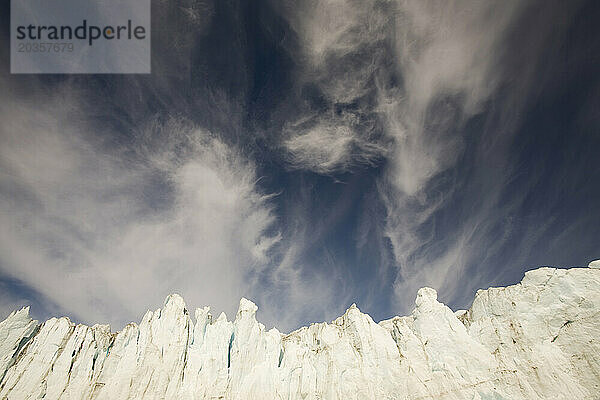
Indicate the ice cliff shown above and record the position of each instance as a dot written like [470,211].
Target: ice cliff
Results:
[539,339]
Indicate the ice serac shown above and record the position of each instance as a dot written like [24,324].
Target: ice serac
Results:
[535,340]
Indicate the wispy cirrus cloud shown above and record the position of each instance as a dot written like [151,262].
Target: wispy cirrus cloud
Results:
[457,61]
[413,73]
[448,55]
[331,152]
[426,75]
[78,227]
[328,145]
[341,50]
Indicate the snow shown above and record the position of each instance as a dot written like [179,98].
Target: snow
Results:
[534,340]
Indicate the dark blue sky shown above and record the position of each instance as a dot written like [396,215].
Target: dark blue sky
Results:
[306,155]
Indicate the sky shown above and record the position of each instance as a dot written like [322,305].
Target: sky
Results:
[306,155]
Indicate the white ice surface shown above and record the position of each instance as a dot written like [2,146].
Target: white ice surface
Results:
[538,339]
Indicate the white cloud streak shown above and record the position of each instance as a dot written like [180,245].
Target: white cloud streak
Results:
[452,56]
[444,50]
[329,145]
[447,53]
[449,57]
[106,232]
[77,228]
[341,49]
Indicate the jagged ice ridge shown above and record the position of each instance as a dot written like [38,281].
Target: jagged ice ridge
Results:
[535,340]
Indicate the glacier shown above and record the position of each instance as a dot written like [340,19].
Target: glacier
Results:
[538,339]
